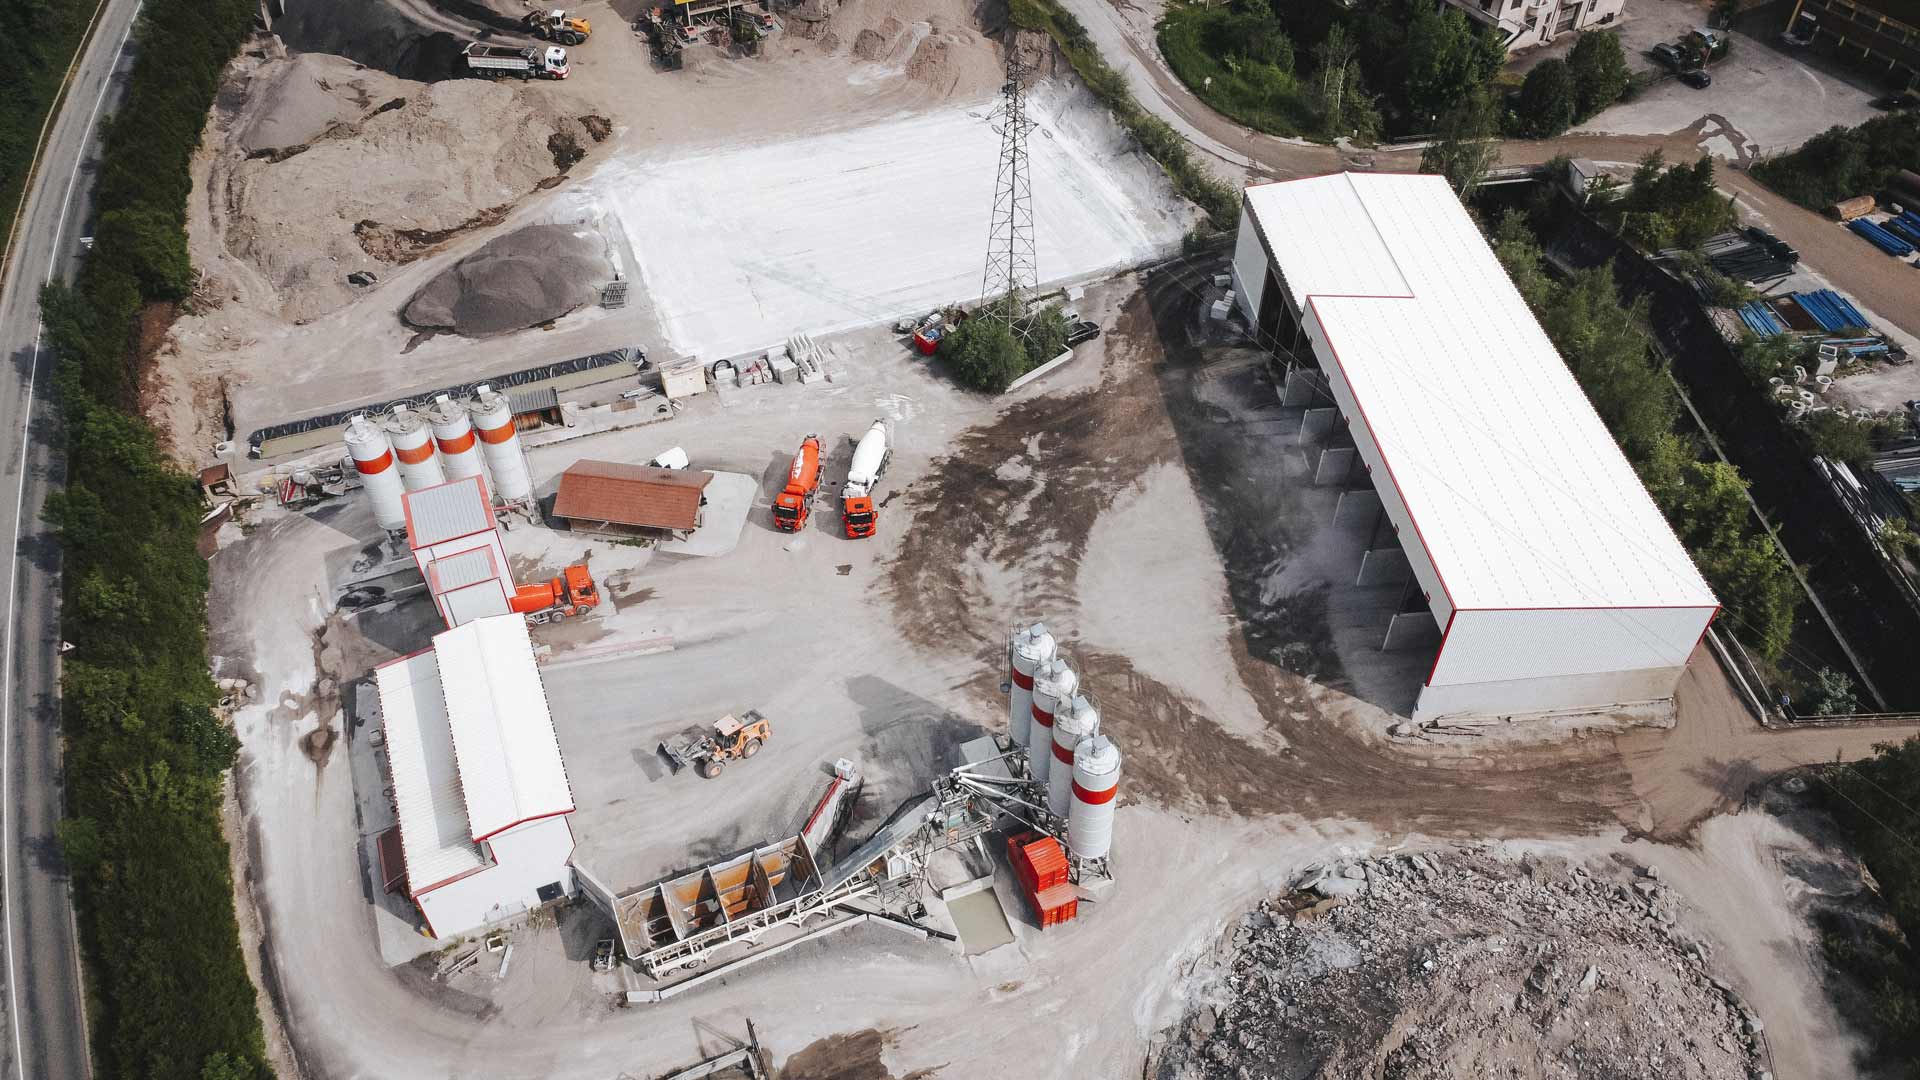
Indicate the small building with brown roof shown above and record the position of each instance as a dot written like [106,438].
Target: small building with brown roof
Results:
[605,496]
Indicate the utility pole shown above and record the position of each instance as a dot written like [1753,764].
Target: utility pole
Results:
[1012,272]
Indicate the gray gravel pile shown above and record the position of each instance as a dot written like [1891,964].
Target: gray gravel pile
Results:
[1426,967]
[528,277]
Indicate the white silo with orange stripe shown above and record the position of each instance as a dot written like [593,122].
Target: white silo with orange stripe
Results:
[500,445]
[1053,686]
[1073,723]
[1096,780]
[372,455]
[413,445]
[453,436]
[1029,648]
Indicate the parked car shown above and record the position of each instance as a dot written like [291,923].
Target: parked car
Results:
[1669,54]
[1082,331]
[1697,78]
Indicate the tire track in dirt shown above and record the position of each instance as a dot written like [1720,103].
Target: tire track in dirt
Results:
[977,519]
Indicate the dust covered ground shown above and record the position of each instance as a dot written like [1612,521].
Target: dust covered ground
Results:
[1467,963]
[1141,501]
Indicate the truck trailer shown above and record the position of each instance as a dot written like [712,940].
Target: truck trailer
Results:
[515,61]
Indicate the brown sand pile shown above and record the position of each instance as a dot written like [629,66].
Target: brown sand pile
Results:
[388,186]
[308,95]
[921,39]
[528,277]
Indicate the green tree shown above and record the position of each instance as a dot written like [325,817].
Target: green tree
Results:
[1547,101]
[1831,694]
[1599,70]
[984,354]
[1464,148]
[1043,334]
[1604,342]
[1838,437]
[1448,58]
[1333,58]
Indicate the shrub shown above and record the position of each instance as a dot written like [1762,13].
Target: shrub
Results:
[1599,70]
[1546,103]
[984,354]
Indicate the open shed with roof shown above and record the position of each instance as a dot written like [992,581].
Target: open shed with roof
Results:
[610,497]
[1553,579]
[480,792]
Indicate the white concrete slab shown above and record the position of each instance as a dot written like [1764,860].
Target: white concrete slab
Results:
[730,497]
[749,244]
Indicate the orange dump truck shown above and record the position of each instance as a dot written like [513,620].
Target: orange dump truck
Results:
[791,506]
[567,595]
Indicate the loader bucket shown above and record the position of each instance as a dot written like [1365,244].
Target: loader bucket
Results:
[674,762]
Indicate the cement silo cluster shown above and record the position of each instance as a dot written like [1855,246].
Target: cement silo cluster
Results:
[1066,755]
[452,439]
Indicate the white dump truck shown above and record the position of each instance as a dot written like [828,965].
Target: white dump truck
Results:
[515,61]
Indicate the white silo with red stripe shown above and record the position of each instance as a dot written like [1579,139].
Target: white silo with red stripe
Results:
[453,436]
[413,445]
[1053,686]
[1096,780]
[1030,647]
[372,455]
[500,444]
[1073,723]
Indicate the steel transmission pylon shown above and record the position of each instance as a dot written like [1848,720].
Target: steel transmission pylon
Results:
[1012,271]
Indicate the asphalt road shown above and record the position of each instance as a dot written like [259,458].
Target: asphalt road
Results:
[46,1029]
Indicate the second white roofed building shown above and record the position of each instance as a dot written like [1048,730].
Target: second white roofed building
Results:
[1554,580]
[479,787]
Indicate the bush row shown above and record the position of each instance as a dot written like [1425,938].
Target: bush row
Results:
[1218,200]
[1840,163]
[42,36]
[146,746]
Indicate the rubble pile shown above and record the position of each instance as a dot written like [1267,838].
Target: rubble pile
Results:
[1422,967]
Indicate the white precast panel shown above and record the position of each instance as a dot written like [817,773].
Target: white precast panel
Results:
[1053,686]
[1030,648]
[500,445]
[453,436]
[413,445]
[1076,721]
[1096,780]
[372,454]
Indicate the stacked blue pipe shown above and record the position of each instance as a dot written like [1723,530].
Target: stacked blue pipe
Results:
[1880,238]
[1831,310]
[1906,227]
[1760,318]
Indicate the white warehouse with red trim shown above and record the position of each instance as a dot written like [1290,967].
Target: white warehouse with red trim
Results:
[1554,580]
[479,788]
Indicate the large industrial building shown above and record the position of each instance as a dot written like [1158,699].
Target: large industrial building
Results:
[479,788]
[1553,579]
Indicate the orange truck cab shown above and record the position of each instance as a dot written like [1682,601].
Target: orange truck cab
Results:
[565,596]
[795,501]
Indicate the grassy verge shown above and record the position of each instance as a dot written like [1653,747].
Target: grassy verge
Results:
[43,39]
[1261,95]
[146,746]
[1217,199]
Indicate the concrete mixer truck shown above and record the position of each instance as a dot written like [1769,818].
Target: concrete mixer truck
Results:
[795,502]
[870,459]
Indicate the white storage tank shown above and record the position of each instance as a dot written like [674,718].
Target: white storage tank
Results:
[453,436]
[500,445]
[1030,648]
[372,455]
[413,445]
[1096,779]
[1053,686]
[1076,722]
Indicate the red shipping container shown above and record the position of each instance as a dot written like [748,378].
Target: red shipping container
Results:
[1056,905]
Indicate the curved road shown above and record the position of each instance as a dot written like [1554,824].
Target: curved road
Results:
[46,1029]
